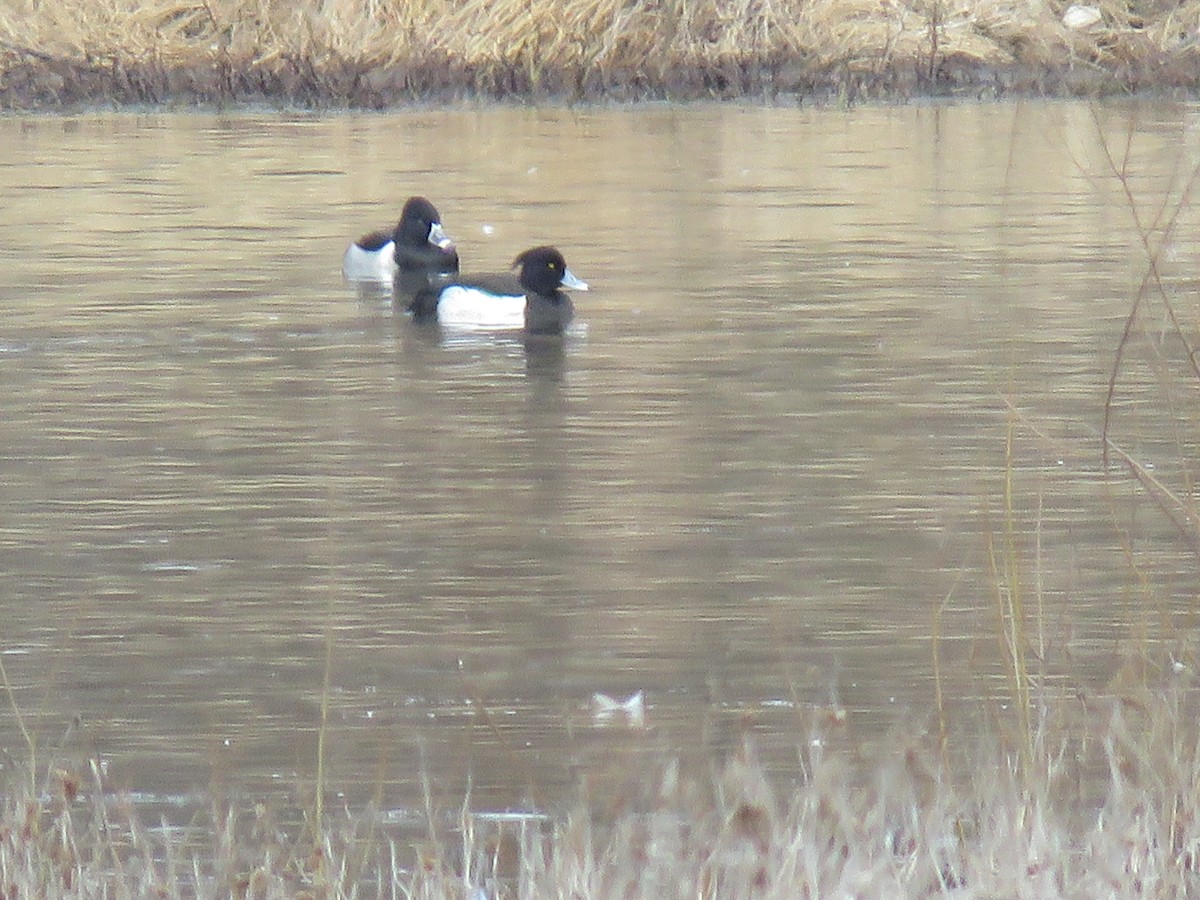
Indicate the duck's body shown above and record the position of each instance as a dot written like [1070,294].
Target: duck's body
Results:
[371,258]
[533,300]
[417,244]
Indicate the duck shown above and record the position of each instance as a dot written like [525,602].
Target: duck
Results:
[534,300]
[418,244]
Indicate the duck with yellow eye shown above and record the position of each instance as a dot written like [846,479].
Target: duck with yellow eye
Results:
[534,300]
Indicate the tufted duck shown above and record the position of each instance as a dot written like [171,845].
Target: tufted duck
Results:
[418,244]
[532,300]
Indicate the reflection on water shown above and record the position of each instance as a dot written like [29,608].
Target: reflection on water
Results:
[759,478]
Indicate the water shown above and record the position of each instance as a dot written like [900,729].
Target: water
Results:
[756,484]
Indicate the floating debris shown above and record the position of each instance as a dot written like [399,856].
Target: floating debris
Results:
[632,708]
[1079,17]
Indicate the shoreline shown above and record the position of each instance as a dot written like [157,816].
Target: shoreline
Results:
[348,54]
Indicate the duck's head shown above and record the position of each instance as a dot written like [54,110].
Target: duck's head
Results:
[420,224]
[544,271]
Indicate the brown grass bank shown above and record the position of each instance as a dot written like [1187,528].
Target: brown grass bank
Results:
[379,53]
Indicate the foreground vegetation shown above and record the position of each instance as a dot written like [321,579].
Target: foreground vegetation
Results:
[376,54]
[1106,804]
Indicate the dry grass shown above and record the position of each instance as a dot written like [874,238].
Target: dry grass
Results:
[1109,808]
[383,52]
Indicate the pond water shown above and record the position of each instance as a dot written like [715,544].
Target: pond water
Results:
[759,481]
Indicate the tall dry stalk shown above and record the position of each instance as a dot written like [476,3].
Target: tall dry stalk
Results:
[935,10]
[26,735]
[1153,235]
[1005,566]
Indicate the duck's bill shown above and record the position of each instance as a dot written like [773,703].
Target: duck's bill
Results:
[439,238]
[570,282]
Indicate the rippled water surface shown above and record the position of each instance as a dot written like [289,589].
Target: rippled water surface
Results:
[759,481]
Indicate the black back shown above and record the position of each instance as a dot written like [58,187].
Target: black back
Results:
[375,240]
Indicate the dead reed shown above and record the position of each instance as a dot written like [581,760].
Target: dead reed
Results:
[1110,807]
[379,53]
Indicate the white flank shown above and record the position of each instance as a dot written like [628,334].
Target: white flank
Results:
[367,265]
[463,307]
